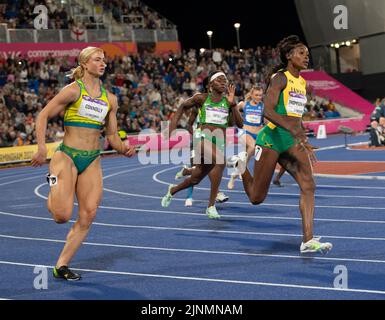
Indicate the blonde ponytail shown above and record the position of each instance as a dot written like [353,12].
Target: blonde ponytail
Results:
[76,73]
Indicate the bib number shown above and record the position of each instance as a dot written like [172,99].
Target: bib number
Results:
[296,104]
[253,118]
[216,116]
[95,110]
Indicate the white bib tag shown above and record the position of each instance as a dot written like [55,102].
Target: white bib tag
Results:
[216,115]
[296,104]
[93,109]
[253,118]
[258,153]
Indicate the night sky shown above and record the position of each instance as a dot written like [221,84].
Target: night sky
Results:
[262,22]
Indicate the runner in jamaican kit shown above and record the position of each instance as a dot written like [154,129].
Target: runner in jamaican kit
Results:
[283,140]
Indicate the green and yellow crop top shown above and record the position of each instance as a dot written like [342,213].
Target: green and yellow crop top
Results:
[292,100]
[215,113]
[86,111]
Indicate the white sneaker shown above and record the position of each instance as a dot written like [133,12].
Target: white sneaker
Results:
[188,202]
[212,213]
[314,245]
[166,200]
[179,174]
[221,197]
[238,161]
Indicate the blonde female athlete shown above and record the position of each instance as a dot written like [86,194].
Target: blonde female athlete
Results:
[252,109]
[75,167]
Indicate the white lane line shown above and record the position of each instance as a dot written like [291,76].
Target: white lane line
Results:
[245,203]
[268,234]
[214,252]
[327,186]
[11,176]
[41,174]
[235,216]
[156,179]
[21,180]
[351,177]
[36,191]
[127,171]
[185,278]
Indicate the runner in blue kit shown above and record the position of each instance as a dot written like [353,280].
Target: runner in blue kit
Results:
[252,109]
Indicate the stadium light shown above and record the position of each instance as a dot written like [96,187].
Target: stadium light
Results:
[210,34]
[237,26]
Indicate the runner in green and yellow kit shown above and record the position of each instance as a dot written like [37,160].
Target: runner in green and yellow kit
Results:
[283,140]
[215,112]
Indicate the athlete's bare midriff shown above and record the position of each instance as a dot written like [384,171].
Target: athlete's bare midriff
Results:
[82,138]
[252,129]
[212,128]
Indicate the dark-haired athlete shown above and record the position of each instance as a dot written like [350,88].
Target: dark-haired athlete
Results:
[215,110]
[283,139]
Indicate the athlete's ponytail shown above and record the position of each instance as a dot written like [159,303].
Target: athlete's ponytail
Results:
[77,73]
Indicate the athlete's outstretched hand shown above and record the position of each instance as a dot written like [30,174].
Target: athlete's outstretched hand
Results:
[231,93]
[40,157]
[130,151]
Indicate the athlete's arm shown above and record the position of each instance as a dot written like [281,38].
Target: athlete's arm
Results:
[236,115]
[278,83]
[112,129]
[195,101]
[67,95]
[191,120]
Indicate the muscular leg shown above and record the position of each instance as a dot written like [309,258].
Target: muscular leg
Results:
[201,169]
[250,147]
[89,193]
[61,196]
[298,164]
[215,176]
[257,187]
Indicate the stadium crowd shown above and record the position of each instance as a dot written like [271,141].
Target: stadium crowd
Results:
[149,87]
[18,14]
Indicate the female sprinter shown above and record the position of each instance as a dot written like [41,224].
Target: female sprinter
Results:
[75,167]
[283,139]
[215,110]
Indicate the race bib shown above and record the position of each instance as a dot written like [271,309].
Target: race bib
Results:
[253,118]
[217,116]
[93,109]
[296,104]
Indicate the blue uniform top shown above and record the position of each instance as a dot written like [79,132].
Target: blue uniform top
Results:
[253,115]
